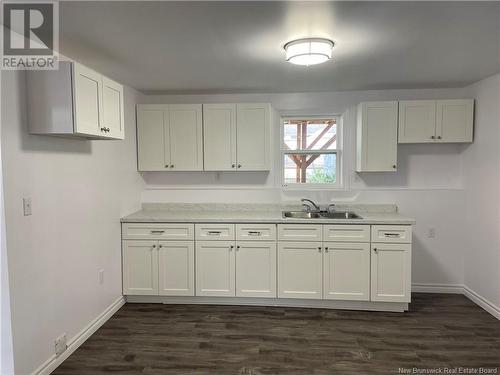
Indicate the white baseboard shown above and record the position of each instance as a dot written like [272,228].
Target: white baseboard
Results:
[51,364]
[459,289]
[438,288]
[483,302]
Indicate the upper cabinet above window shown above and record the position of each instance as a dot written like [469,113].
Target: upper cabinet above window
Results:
[74,101]
[436,121]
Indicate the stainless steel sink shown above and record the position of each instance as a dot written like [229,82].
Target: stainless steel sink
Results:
[340,215]
[320,215]
[301,215]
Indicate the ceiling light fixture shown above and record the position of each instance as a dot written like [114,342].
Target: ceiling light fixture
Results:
[309,51]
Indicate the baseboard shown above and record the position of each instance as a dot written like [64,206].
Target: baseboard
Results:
[52,363]
[438,288]
[459,289]
[483,302]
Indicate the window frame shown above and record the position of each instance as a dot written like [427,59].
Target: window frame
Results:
[338,185]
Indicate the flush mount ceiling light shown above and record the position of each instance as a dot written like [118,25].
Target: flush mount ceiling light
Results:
[310,51]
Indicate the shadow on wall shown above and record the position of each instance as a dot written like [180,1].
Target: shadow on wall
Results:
[30,142]
[194,179]
[419,158]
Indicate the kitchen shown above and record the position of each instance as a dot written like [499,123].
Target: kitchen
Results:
[194,197]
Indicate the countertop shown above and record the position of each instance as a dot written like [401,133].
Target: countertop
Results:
[213,213]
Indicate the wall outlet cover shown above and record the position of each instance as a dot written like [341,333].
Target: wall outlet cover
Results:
[60,344]
[27,206]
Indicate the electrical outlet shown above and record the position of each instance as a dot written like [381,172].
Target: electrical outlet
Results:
[60,344]
[101,277]
[27,206]
[431,232]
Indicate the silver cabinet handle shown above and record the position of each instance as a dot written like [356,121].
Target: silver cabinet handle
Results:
[231,247]
[439,137]
[254,233]
[326,249]
[157,231]
[433,137]
[239,165]
[375,250]
[160,246]
[319,249]
[214,232]
[391,234]
[171,165]
[154,246]
[103,129]
[237,247]
[233,165]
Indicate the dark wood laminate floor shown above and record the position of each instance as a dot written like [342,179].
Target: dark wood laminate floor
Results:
[438,331]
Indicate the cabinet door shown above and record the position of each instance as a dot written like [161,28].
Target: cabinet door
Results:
[253,143]
[256,269]
[377,137]
[219,137]
[417,121]
[112,108]
[186,138]
[153,153]
[454,120]
[140,267]
[300,273]
[176,268]
[391,272]
[87,97]
[346,271]
[215,267]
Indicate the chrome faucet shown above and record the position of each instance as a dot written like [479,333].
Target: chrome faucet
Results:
[309,205]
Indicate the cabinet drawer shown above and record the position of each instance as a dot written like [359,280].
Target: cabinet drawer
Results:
[209,232]
[159,231]
[299,232]
[346,233]
[391,233]
[262,232]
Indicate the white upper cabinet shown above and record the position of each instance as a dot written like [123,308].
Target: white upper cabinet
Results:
[454,120]
[186,142]
[436,121]
[253,137]
[417,121]
[169,137]
[88,108]
[377,137]
[75,101]
[237,137]
[112,108]
[219,137]
[152,128]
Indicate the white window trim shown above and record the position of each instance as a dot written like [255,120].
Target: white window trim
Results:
[339,184]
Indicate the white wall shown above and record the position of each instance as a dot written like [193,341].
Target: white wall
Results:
[427,186]
[482,194]
[79,191]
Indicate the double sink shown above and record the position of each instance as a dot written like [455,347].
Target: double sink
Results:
[320,215]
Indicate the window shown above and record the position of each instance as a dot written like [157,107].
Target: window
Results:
[310,151]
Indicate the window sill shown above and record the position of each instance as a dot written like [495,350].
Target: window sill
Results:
[307,187]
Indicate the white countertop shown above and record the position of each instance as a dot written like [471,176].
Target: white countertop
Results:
[207,213]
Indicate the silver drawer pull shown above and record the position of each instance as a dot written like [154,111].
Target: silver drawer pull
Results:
[157,231]
[392,234]
[214,232]
[254,233]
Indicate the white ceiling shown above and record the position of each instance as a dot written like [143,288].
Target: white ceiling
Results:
[213,47]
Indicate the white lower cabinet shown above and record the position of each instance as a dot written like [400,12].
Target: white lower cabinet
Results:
[140,267]
[163,268]
[256,269]
[300,270]
[346,271]
[391,272]
[176,268]
[215,268]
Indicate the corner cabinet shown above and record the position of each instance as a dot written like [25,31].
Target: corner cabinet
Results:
[169,137]
[377,137]
[89,105]
[436,121]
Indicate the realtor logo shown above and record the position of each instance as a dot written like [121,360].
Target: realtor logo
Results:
[30,39]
